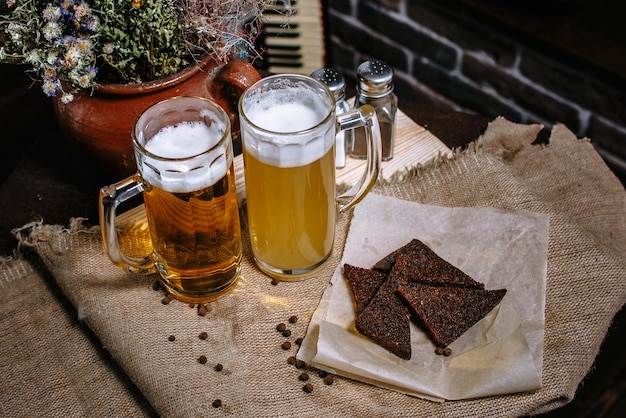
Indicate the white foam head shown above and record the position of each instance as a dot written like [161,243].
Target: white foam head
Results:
[185,165]
[287,116]
[286,111]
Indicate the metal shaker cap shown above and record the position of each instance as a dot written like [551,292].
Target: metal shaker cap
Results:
[375,78]
[333,80]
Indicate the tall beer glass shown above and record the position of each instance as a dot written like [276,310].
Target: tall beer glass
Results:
[288,128]
[185,171]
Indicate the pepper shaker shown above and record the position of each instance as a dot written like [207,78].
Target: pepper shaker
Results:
[337,85]
[375,87]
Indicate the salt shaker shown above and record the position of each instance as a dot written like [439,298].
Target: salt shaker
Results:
[375,87]
[337,85]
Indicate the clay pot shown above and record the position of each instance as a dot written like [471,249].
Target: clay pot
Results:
[98,124]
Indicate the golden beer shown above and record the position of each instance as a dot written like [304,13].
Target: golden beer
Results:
[184,157]
[197,237]
[291,212]
[288,132]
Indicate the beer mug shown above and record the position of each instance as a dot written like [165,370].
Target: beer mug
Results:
[184,157]
[288,127]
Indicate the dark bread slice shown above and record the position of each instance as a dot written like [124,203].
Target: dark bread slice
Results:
[385,319]
[430,269]
[423,265]
[448,312]
[385,264]
[364,284]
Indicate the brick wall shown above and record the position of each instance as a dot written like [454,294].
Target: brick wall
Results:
[445,57]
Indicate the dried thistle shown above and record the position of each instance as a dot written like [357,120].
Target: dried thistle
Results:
[224,27]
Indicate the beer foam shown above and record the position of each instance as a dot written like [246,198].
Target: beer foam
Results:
[184,140]
[290,110]
[286,117]
[285,112]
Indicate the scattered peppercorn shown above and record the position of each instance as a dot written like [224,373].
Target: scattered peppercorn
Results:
[275,282]
[308,388]
[281,327]
[171,338]
[439,351]
[156,285]
[192,305]
[167,299]
[217,403]
[202,359]
[447,351]
[329,379]
[304,376]
[293,319]
[202,310]
[291,360]
[300,364]
[286,345]
[287,333]
[322,374]
[218,367]
[298,340]
[203,335]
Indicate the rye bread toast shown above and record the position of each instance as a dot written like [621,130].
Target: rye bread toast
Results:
[448,312]
[385,319]
[364,284]
[415,279]
[422,265]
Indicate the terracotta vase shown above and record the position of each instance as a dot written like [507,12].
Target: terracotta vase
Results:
[98,124]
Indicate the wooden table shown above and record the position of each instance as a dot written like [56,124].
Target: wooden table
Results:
[44,180]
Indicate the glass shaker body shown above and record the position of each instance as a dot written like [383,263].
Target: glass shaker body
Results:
[375,87]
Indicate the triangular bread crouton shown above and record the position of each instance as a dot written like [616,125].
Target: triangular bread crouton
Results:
[423,265]
[385,319]
[364,284]
[448,312]
[414,279]
[385,264]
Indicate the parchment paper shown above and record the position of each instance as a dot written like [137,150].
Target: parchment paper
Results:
[500,354]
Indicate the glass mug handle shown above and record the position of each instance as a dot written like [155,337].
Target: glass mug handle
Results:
[110,198]
[364,116]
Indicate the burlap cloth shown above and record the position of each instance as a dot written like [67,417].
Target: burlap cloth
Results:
[52,366]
